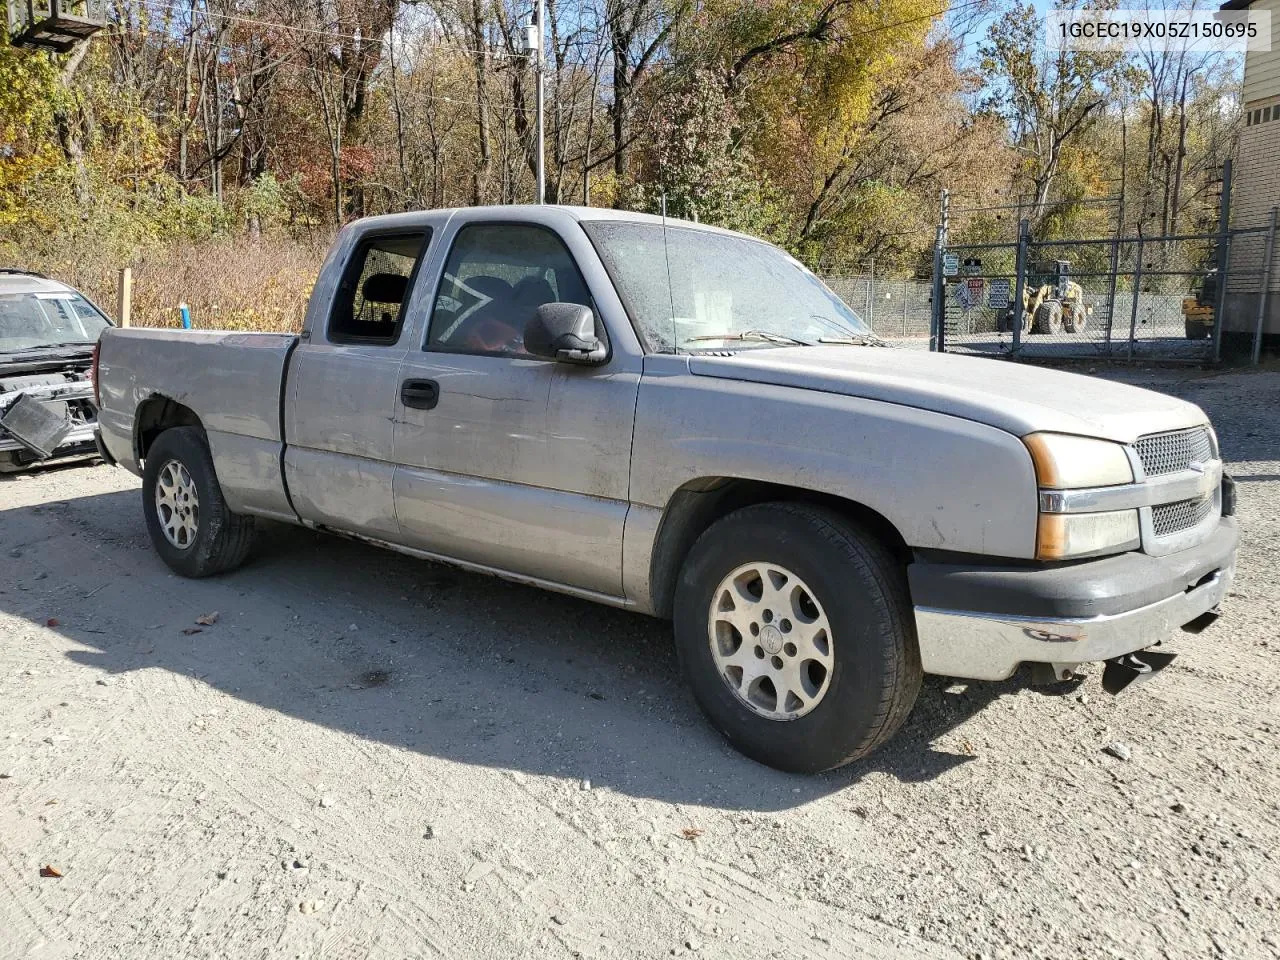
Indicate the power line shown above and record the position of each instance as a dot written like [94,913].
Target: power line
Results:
[294,64]
[449,45]
[492,51]
[316,31]
[955,8]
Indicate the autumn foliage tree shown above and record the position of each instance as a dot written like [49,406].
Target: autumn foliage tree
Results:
[828,126]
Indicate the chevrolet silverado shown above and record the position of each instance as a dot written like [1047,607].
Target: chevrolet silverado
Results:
[686,422]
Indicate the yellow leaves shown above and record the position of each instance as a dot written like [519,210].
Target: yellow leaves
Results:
[27,89]
[122,151]
[808,72]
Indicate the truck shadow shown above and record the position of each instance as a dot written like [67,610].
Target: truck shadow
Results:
[423,657]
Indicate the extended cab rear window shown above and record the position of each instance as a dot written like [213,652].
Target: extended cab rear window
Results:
[369,304]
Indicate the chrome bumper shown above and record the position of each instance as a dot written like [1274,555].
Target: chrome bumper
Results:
[983,646]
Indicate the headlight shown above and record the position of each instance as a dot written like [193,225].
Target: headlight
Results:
[1064,535]
[1066,462]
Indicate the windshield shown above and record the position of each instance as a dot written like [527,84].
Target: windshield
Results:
[32,320]
[703,290]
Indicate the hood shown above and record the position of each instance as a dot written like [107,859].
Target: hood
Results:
[13,366]
[18,362]
[1014,397]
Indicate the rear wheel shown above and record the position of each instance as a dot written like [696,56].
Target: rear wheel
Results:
[190,525]
[1075,318]
[795,632]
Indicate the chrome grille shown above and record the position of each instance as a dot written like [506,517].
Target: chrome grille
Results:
[1170,518]
[1163,453]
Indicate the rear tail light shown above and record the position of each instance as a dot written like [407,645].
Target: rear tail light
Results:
[93,373]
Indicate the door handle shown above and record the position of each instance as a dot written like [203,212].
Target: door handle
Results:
[420,394]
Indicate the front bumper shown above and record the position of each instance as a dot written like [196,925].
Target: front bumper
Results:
[81,435]
[981,622]
[73,402]
[80,442]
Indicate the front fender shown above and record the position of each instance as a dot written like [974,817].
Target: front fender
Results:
[944,482]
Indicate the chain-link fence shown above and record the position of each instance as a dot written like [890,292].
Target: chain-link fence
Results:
[1125,298]
[897,310]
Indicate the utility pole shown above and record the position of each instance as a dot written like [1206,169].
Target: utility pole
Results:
[539,68]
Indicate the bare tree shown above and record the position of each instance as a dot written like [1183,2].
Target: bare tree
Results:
[637,29]
[1050,98]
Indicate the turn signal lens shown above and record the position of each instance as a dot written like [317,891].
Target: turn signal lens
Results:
[1065,462]
[1063,536]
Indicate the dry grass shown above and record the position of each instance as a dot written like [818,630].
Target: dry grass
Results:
[229,284]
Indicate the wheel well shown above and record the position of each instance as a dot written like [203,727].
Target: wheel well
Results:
[157,414]
[700,503]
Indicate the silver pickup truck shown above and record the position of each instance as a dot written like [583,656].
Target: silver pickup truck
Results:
[686,422]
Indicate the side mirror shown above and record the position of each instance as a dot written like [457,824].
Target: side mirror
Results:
[565,332]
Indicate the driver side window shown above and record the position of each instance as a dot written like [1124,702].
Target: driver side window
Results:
[497,275]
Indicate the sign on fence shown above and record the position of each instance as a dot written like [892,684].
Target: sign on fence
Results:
[976,285]
[998,293]
[950,264]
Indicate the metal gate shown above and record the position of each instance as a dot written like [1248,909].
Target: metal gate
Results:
[1122,298]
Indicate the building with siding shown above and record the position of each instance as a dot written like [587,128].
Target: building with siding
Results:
[1255,186]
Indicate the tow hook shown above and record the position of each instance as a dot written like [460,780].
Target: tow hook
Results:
[1121,673]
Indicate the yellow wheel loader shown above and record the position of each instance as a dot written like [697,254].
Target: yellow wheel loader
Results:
[1051,301]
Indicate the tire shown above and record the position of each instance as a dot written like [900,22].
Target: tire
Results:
[873,674]
[1048,318]
[210,538]
[1196,330]
[1076,318]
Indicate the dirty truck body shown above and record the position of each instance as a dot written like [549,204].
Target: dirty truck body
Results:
[684,422]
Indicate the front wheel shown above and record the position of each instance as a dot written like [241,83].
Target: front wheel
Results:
[795,631]
[191,526]
[1048,317]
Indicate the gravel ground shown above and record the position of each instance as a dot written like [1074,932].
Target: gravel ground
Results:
[370,756]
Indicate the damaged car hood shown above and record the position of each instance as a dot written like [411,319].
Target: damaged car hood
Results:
[1014,397]
[16,363]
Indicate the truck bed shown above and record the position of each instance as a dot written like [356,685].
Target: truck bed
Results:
[231,381]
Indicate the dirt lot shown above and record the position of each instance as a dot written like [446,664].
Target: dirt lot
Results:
[370,756]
